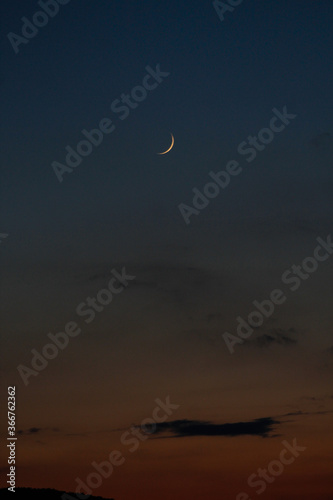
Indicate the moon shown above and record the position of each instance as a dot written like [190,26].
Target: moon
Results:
[172,144]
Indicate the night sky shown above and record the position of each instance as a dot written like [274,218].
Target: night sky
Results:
[120,211]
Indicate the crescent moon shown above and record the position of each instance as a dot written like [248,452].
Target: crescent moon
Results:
[172,144]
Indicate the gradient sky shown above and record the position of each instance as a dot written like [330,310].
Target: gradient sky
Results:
[162,336]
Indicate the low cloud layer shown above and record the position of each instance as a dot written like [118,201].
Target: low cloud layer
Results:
[262,427]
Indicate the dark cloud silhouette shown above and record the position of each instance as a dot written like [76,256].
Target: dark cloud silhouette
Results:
[277,336]
[262,427]
[32,430]
[321,140]
[35,430]
[42,493]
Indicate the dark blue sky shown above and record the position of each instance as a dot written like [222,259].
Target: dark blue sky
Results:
[225,79]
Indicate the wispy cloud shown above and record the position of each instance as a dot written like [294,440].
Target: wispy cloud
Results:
[35,430]
[321,140]
[277,336]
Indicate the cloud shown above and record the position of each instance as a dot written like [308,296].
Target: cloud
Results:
[262,427]
[35,430]
[213,317]
[277,336]
[321,140]
[161,276]
[180,287]
[32,430]
[301,412]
